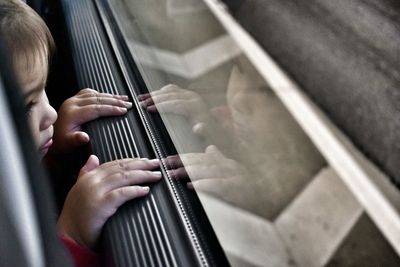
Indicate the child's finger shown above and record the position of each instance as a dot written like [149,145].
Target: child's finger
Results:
[103,95]
[111,101]
[79,138]
[92,163]
[121,195]
[93,93]
[122,165]
[75,139]
[130,178]
[94,111]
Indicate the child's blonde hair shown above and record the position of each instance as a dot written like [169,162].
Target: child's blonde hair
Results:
[26,35]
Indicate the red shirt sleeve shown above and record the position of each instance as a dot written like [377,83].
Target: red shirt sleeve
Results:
[82,256]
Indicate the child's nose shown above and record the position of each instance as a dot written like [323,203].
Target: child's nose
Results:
[49,118]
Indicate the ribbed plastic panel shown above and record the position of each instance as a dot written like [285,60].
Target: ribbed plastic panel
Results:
[168,227]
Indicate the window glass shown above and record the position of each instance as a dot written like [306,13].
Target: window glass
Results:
[255,170]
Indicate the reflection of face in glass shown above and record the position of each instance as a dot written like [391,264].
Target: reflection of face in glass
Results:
[269,143]
[261,123]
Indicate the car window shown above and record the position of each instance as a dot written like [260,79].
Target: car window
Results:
[271,189]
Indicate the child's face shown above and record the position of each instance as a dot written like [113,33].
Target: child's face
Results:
[41,116]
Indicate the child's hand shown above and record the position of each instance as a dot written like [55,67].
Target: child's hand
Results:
[99,191]
[85,106]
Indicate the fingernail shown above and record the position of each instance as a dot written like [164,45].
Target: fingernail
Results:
[154,161]
[171,174]
[128,104]
[123,110]
[152,108]
[84,138]
[146,189]
[157,173]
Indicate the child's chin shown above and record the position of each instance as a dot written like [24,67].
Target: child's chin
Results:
[43,152]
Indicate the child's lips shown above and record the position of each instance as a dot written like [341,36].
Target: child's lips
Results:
[46,146]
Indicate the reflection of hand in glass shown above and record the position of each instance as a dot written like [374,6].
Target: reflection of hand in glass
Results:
[204,122]
[173,99]
[206,170]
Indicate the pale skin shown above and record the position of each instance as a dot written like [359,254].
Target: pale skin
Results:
[99,189]
[86,105]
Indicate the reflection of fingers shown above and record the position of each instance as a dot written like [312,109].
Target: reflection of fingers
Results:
[152,109]
[190,159]
[173,162]
[119,196]
[127,178]
[179,173]
[201,172]
[175,106]
[147,102]
[103,101]
[158,98]
[170,88]
[144,96]
[197,159]
[205,185]
[200,128]
[215,185]
[189,185]
[208,185]
[213,149]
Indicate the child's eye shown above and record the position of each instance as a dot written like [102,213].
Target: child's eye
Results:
[29,106]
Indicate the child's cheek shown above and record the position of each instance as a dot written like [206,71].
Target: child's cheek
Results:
[34,127]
